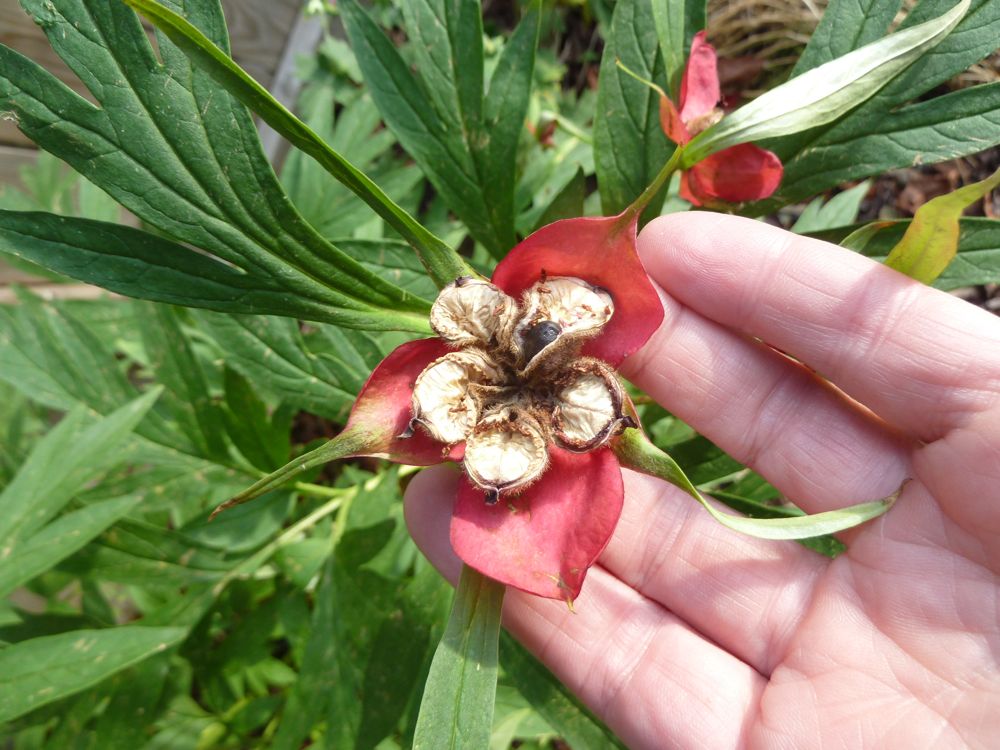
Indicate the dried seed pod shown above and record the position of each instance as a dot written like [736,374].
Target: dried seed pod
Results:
[444,401]
[573,304]
[568,306]
[506,452]
[588,408]
[471,311]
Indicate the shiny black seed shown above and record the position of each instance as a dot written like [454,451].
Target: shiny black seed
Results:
[492,496]
[538,337]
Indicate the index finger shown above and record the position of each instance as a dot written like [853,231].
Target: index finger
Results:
[919,358]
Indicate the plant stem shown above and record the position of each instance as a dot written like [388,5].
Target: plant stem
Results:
[640,203]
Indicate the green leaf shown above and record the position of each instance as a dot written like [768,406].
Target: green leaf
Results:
[263,440]
[895,129]
[457,707]
[321,374]
[466,144]
[636,452]
[553,700]
[41,670]
[392,260]
[931,240]
[977,261]
[677,21]
[629,144]
[34,555]
[844,26]
[505,109]
[840,210]
[177,151]
[823,94]
[875,141]
[68,457]
[140,264]
[325,202]
[754,508]
[567,203]
[441,261]
[187,396]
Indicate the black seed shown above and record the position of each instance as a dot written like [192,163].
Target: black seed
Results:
[539,336]
[492,495]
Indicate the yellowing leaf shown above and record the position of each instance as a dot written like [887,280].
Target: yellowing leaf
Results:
[931,240]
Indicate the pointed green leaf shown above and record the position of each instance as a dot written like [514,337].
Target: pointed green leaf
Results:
[502,125]
[931,240]
[629,144]
[977,261]
[636,452]
[175,366]
[59,466]
[175,149]
[61,538]
[677,21]
[321,374]
[844,26]
[441,261]
[457,707]
[841,210]
[823,94]
[140,264]
[41,670]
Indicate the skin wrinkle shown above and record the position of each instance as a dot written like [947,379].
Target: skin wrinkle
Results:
[690,272]
[674,519]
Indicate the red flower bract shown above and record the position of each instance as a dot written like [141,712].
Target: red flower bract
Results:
[543,539]
[741,173]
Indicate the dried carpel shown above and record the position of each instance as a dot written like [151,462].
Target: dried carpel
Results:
[518,383]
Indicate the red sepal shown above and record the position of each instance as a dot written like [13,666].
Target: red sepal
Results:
[384,407]
[544,540]
[700,85]
[670,121]
[744,172]
[602,252]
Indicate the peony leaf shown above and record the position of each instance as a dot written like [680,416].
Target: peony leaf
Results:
[443,263]
[931,240]
[823,94]
[457,707]
[635,451]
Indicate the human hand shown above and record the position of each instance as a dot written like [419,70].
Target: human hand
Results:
[688,634]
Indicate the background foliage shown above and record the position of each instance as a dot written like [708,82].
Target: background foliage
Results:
[308,618]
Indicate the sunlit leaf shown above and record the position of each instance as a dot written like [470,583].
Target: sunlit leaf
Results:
[931,240]
[42,670]
[823,94]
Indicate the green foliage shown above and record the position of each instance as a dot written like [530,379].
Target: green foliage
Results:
[463,134]
[308,617]
[629,144]
[177,151]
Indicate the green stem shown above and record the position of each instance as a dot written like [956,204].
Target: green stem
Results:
[288,536]
[350,442]
[665,173]
[635,451]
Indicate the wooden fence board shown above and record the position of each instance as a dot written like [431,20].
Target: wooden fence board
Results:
[258,28]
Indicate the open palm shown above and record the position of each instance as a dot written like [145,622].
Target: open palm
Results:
[690,635]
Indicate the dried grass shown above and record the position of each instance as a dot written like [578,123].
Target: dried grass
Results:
[776,31]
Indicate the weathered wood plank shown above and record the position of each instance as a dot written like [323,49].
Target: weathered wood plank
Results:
[258,29]
[11,161]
